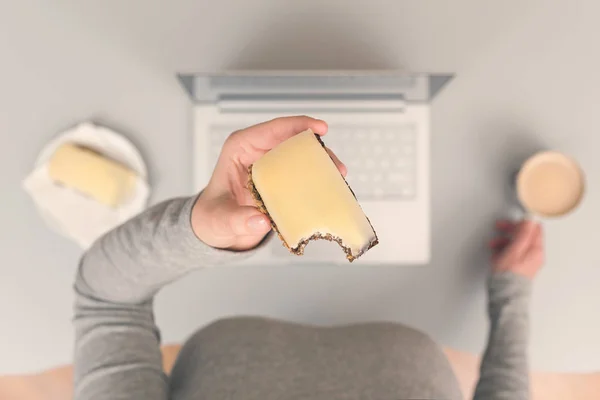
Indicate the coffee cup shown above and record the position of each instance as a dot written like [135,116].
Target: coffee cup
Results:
[550,184]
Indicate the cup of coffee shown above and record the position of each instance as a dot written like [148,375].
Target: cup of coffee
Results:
[550,184]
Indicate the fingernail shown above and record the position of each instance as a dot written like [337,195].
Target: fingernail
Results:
[258,223]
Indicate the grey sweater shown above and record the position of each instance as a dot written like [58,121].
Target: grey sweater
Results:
[117,353]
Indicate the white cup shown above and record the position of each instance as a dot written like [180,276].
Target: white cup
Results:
[550,185]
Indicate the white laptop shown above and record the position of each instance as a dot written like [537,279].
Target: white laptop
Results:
[378,126]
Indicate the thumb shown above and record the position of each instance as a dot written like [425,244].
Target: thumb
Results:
[244,220]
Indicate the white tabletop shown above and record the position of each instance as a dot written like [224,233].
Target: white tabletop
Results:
[526,78]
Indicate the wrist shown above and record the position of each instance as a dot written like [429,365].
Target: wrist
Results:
[508,284]
[525,271]
[198,218]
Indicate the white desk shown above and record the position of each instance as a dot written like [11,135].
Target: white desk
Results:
[527,77]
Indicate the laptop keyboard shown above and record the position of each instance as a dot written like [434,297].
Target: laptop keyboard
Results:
[381,160]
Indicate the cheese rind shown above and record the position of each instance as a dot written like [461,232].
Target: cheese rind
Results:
[307,198]
[91,174]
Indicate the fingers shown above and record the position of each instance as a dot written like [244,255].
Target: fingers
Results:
[498,243]
[340,165]
[525,236]
[521,236]
[518,248]
[505,229]
[268,134]
[506,226]
[538,241]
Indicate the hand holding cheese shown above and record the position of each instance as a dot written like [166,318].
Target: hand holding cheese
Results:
[225,214]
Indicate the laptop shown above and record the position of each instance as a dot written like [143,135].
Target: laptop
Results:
[378,126]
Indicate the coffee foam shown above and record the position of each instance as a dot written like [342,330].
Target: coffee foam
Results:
[550,184]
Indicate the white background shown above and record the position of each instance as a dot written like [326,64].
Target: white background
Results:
[527,78]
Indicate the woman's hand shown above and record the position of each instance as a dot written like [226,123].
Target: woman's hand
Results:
[518,248]
[225,215]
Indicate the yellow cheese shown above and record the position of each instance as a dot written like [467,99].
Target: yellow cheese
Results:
[306,197]
[92,174]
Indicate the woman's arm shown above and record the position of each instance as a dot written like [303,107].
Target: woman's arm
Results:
[117,354]
[518,255]
[504,372]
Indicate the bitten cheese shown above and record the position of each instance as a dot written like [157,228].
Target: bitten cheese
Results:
[298,185]
[92,174]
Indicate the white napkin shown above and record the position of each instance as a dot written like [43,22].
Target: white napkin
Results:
[72,214]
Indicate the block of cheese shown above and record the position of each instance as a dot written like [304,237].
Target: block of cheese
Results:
[299,187]
[92,174]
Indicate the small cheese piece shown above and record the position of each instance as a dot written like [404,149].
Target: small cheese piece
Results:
[298,185]
[91,174]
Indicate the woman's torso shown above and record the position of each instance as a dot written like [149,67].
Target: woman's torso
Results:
[255,358]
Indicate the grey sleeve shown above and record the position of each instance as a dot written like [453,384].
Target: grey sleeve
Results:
[504,373]
[117,353]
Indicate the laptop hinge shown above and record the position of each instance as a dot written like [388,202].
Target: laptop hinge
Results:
[303,103]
